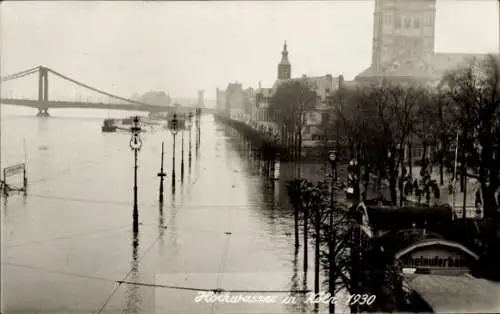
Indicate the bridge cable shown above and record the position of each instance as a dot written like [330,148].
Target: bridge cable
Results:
[21,72]
[19,75]
[95,89]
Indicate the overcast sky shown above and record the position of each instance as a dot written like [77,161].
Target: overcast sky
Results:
[180,47]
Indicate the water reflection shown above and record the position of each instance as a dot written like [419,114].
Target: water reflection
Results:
[3,215]
[134,296]
[295,284]
[172,238]
[42,124]
[173,180]
[161,222]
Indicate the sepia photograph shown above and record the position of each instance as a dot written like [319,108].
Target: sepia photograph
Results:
[250,157]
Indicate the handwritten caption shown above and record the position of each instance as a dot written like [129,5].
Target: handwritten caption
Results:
[310,298]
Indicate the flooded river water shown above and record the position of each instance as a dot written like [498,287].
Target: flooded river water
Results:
[69,244]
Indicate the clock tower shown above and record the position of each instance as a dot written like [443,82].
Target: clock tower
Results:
[284,67]
[403,34]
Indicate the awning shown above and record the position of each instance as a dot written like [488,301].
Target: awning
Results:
[456,294]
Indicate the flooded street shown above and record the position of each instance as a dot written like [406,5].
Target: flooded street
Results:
[69,243]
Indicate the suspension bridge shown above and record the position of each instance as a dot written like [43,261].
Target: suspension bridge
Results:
[43,103]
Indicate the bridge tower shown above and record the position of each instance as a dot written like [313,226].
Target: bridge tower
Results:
[201,102]
[43,92]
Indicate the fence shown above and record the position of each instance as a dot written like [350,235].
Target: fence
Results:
[471,212]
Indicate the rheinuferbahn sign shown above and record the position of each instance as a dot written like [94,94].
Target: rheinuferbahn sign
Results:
[436,256]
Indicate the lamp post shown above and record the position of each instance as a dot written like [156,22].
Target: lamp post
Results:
[189,126]
[182,147]
[198,117]
[173,130]
[161,174]
[197,135]
[332,158]
[135,144]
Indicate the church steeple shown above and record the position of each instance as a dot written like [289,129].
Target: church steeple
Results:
[284,67]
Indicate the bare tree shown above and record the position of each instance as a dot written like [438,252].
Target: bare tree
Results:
[386,117]
[292,101]
[475,91]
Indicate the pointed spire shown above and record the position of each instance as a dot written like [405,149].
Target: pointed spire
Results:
[284,55]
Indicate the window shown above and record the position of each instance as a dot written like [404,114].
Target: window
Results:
[387,18]
[407,22]
[416,23]
[397,22]
[317,137]
[429,20]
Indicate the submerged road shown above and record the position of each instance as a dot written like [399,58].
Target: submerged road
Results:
[70,246]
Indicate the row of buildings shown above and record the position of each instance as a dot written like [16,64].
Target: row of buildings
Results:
[251,105]
[402,49]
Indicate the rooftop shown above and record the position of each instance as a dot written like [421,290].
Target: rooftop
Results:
[456,294]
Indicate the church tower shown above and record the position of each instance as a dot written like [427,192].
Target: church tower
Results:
[284,67]
[403,34]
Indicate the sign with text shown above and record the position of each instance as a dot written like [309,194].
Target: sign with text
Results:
[435,259]
[436,256]
[13,170]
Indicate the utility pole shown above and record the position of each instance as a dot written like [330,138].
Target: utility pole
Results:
[135,145]
[161,174]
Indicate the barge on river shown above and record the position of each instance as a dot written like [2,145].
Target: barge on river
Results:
[108,126]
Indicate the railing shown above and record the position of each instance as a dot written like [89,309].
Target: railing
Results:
[471,212]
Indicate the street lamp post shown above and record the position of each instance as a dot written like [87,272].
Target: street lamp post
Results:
[189,125]
[182,148]
[173,131]
[332,158]
[197,135]
[161,174]
[135,144]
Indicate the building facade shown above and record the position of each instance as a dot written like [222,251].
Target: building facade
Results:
[201,99]
[403,42]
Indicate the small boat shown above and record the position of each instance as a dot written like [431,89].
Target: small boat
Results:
[109,126]
[127,121]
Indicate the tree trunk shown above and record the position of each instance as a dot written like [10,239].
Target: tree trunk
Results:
[393,178]
[317,250]
[299,143]
[463,165]
[355,267]
[424,154]
[296,218]
[441,161]
[306,215]
[358,173]
[410,159]
[487,173]
[401,182]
